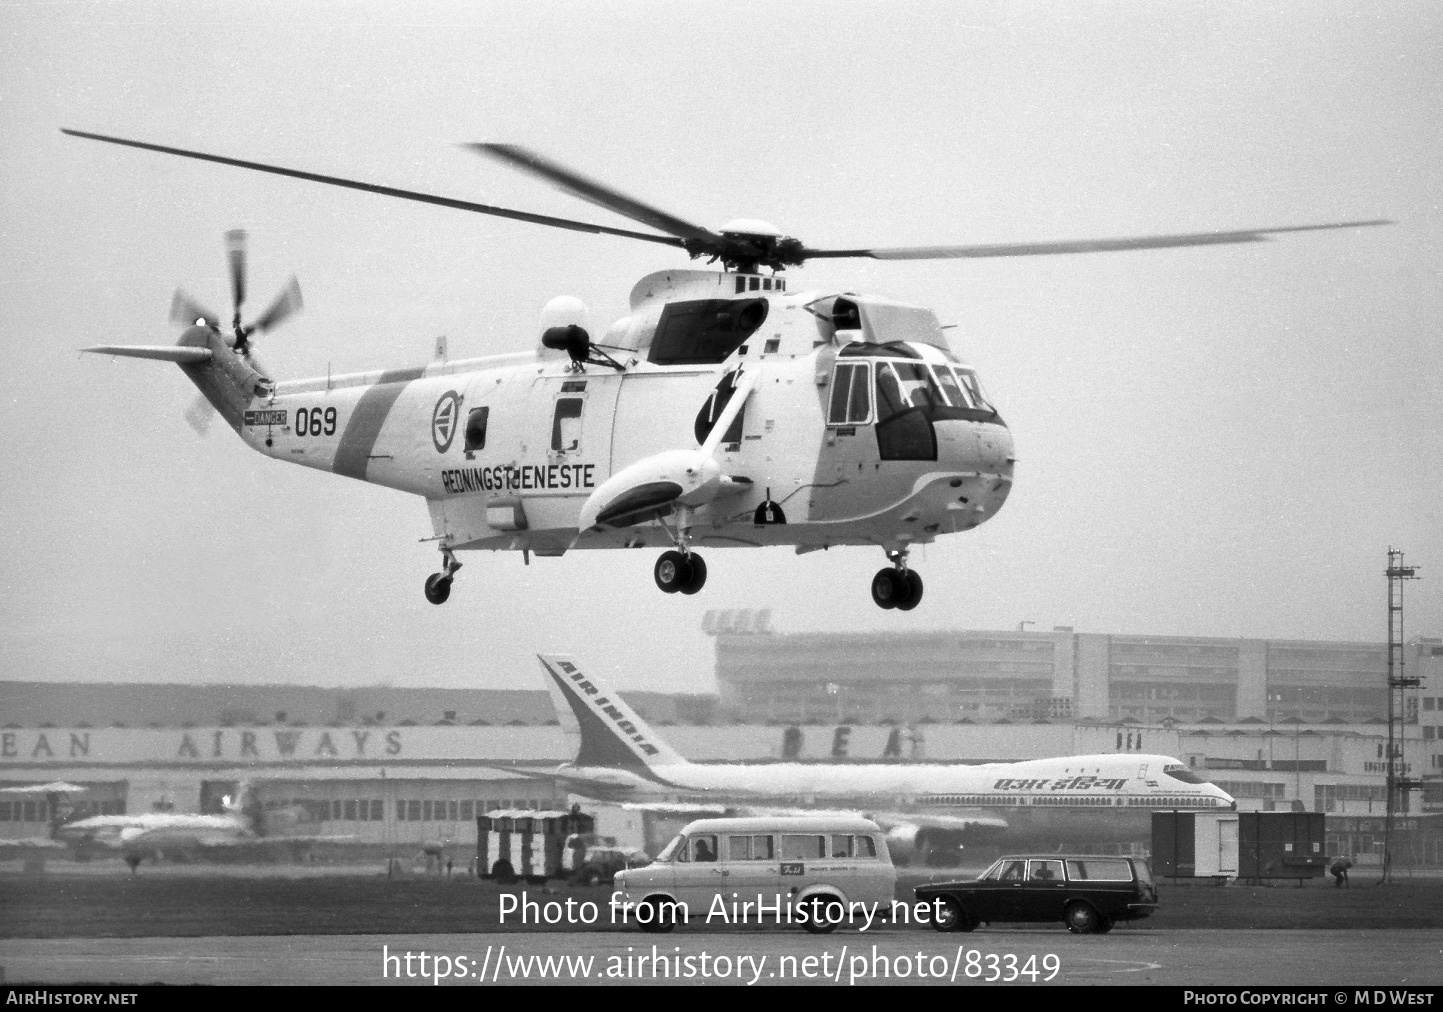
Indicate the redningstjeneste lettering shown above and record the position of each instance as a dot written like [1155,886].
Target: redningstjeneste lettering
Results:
[511,478]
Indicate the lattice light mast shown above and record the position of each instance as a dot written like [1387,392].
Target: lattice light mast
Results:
[1399,783]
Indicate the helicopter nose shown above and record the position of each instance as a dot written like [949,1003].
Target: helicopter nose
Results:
[973,446]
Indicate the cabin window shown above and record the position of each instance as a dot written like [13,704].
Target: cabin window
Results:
[1099,870]
[749,848]
[851,396]
[476,430]
[1044,871]
[566,425]
[716,403]
[705,331]
[796,847]
[703,849]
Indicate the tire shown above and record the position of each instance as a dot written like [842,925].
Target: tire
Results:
[817,923]
[438,588]
[656,925]
[914,592]
[698,574]
[887,589]
[1081,919]
[591,877]
[672,572]
[503,873]
[952,916]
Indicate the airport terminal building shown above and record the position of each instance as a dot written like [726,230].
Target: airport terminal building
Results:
[1277,724]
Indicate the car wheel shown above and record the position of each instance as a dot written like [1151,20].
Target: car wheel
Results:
[952,916]
[592,877]
[503,873]
[656,921]
[817,921]
[1081,919]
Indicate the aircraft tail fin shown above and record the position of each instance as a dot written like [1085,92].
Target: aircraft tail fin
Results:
[603,728]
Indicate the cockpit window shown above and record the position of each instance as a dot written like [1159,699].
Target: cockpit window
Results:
[919,390]
[705,331]
[851,396]
[951,389]
[890,400]
[1184,774]
[974,389]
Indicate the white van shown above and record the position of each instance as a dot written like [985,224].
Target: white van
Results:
[817,872]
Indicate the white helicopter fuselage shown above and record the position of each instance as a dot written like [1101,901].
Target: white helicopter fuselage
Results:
[551,434]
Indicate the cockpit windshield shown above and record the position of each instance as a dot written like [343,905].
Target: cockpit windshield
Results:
[1184,774]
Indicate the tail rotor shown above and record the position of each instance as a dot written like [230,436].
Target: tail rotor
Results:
[187,312]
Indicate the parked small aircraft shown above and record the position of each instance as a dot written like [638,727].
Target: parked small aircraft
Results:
[725,410]
[173,835]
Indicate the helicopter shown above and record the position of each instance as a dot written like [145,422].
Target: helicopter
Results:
[724,410]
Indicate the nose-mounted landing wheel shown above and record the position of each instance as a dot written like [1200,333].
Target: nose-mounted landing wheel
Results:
[677,572]
[438,585]
[897,586]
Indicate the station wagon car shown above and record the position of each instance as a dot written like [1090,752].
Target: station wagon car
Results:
[1088,894]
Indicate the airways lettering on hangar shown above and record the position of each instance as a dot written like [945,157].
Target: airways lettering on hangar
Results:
[220,745]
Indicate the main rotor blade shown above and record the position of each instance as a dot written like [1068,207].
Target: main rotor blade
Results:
[235,247]
[386,191]
[1027,249]
[186,311]
[286,304]
[589,189]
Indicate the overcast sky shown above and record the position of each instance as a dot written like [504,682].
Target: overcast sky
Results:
[1218,442]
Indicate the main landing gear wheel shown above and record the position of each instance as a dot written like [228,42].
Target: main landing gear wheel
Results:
[438,588]
[698,574]
[897,588]
[438,585]
[678,573]
[672,572]
[914,591]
